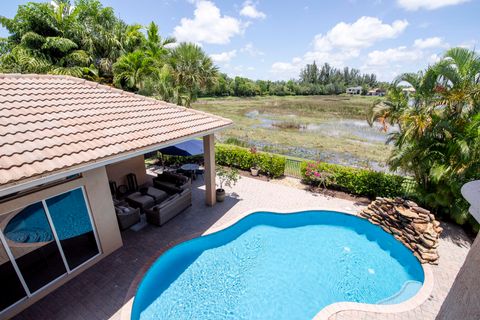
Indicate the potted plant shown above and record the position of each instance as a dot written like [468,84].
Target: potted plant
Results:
[226,177]
[254,169]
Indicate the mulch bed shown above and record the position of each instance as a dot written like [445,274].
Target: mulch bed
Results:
[244,173]
[339,194]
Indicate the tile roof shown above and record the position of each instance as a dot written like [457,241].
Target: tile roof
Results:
[50,124]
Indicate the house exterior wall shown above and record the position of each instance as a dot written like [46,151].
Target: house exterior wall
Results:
[95,183]
[118,171]
[463,299]
[354,90]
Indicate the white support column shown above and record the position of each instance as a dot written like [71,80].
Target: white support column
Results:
[209,155]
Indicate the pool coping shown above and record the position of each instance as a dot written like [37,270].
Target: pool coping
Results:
[325,313]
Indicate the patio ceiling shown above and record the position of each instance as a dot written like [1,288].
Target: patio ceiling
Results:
[59,125]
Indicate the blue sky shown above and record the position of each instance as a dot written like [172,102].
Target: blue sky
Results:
[272,39]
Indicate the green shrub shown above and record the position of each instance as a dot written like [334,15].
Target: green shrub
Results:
[241,158]
[357,181]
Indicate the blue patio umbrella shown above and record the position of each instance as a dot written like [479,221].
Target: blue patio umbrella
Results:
[185,149]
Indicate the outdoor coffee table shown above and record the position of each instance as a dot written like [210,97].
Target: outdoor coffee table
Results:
[190,168]
[138,200]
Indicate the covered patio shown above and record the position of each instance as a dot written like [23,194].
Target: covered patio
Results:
[100,292]
[64,141]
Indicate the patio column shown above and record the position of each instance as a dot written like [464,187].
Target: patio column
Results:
[209,155]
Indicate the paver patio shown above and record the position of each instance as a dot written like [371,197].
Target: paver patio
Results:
[100,292]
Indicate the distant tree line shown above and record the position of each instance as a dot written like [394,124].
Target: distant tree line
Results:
[312,81]
[82,38]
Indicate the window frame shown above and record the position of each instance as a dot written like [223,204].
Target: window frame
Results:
[43,201]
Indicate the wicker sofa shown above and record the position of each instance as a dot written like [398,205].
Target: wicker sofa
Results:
[179,190]
[169,208]
[171,182]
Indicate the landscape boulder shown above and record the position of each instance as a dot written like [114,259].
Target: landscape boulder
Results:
[414,226]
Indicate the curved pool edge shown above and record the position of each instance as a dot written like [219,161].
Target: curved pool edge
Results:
[418,299]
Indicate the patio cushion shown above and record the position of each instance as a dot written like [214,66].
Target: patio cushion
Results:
[168,201]
[157,194]
[137,200]
[171,183]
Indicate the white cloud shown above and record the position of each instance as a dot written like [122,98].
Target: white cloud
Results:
[223,56]
[468,44]
[208,25]
[250,49]
[434,58]
[283,67]
[341,44]
[393,55]
[427,4]
[362,33]
[250,10]
[433,42]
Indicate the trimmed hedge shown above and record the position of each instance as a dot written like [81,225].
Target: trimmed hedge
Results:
[241,158]
[357,181]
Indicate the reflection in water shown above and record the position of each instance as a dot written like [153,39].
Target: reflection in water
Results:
[348,128]
[68,211]
[29,225]
[70,217]
[32,243]
[37,256]
[69,214]
[352,130]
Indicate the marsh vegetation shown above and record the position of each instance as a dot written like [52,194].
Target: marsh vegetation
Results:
[328,128]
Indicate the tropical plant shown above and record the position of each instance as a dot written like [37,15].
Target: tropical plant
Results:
[227,177]
[131,69]
[44,39]
[438,141]
[83,39]
[105,36]
[191,70]
[156,47]
[271,165]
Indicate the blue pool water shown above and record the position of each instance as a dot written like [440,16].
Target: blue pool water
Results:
[69,215]
[278,266]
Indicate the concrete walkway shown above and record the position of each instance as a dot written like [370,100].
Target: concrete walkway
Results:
[101,291]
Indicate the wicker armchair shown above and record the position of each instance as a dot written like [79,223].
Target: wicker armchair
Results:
[126,215]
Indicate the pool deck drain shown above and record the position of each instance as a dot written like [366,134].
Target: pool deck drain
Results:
[101,291]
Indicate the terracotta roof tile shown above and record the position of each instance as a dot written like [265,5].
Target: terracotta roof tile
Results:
[50,124]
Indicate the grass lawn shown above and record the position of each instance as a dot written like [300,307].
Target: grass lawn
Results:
[327,128]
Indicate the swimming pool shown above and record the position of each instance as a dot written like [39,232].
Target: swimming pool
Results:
[279,266]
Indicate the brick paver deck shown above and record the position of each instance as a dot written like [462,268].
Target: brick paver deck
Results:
[101,291]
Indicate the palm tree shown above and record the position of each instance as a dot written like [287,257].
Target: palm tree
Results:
[42,41]
[438,139]
[191,70]
[82,40]
[155,46]
[131,69]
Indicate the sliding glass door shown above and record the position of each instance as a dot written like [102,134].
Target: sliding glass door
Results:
[12,289]
[43,242]
[73,226]
[33,246]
